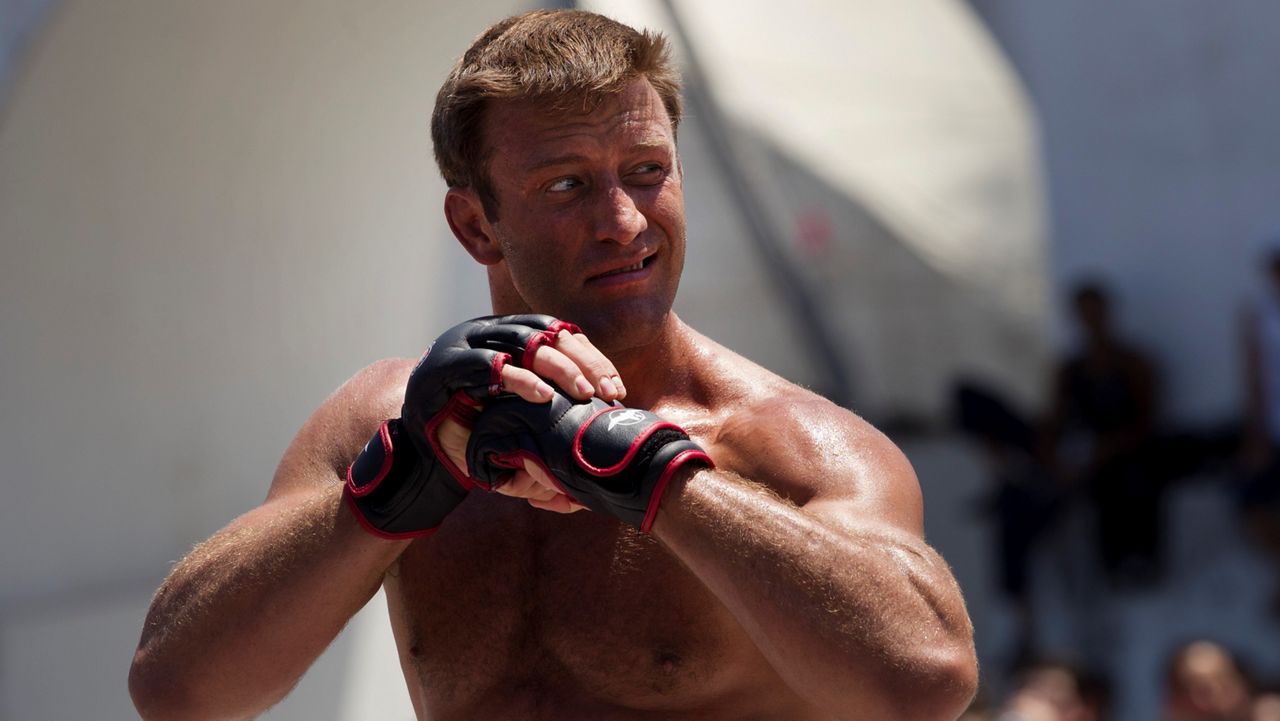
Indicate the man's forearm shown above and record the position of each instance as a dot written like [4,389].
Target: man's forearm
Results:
[865,622]
[246,613]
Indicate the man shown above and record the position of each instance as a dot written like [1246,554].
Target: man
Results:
[751,552]
[1046,690]
[1103,406]
[1204,682]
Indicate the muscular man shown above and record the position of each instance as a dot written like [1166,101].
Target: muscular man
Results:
[772,565]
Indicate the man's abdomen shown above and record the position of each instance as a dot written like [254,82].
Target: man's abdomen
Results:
[509,612]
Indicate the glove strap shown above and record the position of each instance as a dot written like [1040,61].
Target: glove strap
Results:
[386,478]
[628,448]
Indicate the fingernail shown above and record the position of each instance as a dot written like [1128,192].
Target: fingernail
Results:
[622,389]
[584,386]
[544,390]
[607,388]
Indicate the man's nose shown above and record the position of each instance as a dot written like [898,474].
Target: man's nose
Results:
[618,218]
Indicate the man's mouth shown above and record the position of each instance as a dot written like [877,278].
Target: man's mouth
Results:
[638,265]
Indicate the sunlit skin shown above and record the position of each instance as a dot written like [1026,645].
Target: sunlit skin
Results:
[791,583]
[581,195]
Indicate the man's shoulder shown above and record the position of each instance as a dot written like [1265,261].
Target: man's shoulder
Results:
[386,374]
[747,389]
[374,391]
[339,427]
[798,442]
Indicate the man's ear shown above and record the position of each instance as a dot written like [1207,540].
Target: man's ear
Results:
[465,213]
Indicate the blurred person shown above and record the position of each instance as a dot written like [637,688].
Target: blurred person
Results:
[1098,438]
[1260,491]
[1204,682]
[1265,707]
[751,549]
[1056,691]
[1022,501]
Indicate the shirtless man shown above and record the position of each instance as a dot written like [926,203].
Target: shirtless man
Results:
[790,581]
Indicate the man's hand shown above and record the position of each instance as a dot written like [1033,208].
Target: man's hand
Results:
[609,458]
[412,473]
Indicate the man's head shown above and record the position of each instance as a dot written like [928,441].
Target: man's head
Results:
[556,133]
[1092,305]
[561,59]
[1205,683]
[1057,690]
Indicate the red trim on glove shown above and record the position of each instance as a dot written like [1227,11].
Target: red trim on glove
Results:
[463,410]
[500,361]
[388,459]
[374,530]
[631,451]
[651,513]
[559,325]
[546,337]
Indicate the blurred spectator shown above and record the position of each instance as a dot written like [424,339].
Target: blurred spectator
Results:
[1022,501]
[1055,691]
[1098,439]
[1266,707]
[1260,493]
[1204,682]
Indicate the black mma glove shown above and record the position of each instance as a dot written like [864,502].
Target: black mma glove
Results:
[403,484]
[609,458]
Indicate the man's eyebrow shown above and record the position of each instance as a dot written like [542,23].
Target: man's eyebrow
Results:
[569,158]
[556,160]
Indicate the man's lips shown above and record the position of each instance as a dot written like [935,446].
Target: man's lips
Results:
[636,267]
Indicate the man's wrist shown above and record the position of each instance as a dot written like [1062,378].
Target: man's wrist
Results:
[680,498]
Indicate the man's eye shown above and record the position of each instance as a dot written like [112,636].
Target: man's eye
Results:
[563,185]
[649,172]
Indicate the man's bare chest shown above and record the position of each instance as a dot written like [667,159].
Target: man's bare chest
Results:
[508,597]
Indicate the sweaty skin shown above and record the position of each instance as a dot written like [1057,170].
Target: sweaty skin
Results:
[790,583]
[579,617]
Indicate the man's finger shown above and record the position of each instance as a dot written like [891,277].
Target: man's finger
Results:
[526,384]
[617,379]
[452,437]
[560,369]
[540,476]
[560,504]
[592,363]
[523,485]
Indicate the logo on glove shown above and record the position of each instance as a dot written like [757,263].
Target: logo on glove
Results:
[625,417]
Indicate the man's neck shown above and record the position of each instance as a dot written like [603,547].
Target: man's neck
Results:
[658,369]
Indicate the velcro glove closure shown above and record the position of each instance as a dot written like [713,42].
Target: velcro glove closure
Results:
[394,491]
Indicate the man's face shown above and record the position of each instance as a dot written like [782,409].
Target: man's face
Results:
[590,212]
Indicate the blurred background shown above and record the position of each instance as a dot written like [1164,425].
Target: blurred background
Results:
[1036,243]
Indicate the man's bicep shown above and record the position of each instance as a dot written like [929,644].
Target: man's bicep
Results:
[332,436]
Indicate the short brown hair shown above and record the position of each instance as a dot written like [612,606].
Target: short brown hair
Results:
[565,57]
